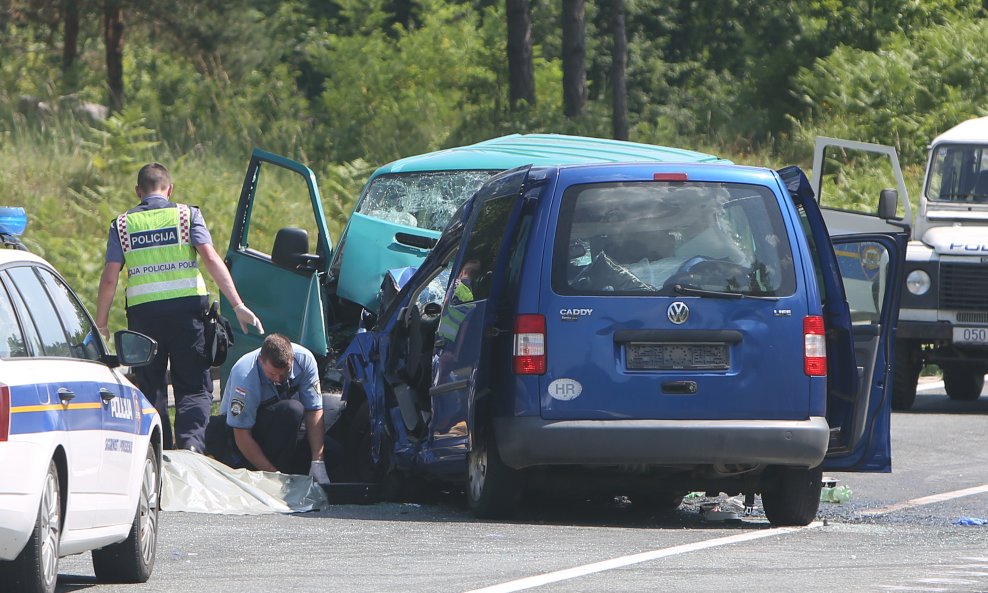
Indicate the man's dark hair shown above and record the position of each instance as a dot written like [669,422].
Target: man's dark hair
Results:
[153,177]
[276,350]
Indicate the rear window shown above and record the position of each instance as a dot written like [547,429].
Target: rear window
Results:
[658,238]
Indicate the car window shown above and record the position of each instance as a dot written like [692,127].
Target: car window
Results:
[648,237]
[42,311]
[28,327]
[959,173]
[424,200]
[82,337]
[11,339]
[863,269]
[473,278]
[281,199]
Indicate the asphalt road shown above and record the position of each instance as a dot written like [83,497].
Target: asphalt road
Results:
[898,532]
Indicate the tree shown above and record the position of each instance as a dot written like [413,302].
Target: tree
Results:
[113,28]
[574,58]
[521,74]
[619,71]
[70,43]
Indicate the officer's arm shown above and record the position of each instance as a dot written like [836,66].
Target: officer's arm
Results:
[104,297]
[251,450]
[217,269]
[315,431]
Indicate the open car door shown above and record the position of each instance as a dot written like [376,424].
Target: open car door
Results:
[867,228]
[279,254]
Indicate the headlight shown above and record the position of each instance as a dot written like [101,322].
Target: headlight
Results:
[918,282]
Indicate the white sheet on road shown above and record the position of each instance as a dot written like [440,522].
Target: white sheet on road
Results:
[196,483]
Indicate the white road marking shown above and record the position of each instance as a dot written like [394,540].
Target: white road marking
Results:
[586,569]
[579,571]
[916,502]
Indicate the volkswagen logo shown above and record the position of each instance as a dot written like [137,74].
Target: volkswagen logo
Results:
[678,312]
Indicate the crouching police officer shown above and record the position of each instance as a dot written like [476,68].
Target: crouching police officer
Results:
[270,393]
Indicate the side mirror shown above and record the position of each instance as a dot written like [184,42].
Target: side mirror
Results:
[888,201]
[134,349]
[291,249]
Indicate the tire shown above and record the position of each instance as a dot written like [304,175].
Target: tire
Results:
[791,495]
[132,560]
[963,382]
[35,570]
[493,488]
[358,461]
[905,374]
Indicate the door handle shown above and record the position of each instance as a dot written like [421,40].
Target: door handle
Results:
[66,395]
[106,395]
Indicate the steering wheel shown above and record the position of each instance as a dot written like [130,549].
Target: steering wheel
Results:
[710,274]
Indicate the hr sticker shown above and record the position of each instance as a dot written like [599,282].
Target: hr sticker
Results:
[565,389]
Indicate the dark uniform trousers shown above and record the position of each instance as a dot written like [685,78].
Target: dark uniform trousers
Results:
[180,338]
[278,431]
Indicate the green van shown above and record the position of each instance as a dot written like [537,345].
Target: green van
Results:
[302,285]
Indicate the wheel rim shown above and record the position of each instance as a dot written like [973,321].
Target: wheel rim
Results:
[51,526]
[148,509]
[477,472]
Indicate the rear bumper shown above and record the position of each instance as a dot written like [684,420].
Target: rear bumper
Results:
[527,441]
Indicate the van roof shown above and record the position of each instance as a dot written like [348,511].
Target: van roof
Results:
[516,150]
[972,131]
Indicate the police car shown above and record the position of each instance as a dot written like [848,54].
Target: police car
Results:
[80,446]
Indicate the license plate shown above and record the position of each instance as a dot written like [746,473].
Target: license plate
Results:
[667,356]
[971,335]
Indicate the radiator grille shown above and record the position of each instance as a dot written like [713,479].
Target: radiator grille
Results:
[964,286]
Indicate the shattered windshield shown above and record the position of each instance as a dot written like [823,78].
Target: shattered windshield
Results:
[959,174]
[424,200]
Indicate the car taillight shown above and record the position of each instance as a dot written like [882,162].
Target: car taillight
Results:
[670,177]
[4,412]
[529,347]
[814,346]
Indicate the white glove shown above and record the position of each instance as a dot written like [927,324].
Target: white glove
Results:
[317,470]
[246,317]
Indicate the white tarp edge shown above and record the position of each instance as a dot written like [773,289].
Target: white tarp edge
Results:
[195,483]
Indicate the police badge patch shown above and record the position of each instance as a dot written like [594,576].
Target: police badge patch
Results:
[236,407]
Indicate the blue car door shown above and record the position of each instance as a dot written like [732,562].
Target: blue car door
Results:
[860,276]
[469,310]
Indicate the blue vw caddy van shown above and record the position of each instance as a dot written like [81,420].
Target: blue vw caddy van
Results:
[645,330]
[302,284]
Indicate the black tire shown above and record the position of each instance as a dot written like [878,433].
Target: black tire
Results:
[963,382]
[358,462]
[791,495]
[493,488]
[132,560]
[905,374]
[35,570]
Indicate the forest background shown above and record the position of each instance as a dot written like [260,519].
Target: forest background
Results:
[92,89]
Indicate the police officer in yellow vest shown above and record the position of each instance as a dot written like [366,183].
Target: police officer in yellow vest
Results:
[158,241]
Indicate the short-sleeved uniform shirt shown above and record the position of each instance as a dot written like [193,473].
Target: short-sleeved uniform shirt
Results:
[248,390]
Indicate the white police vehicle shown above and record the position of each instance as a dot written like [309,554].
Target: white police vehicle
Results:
[80,446]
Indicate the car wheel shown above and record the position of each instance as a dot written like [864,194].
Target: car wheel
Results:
[493,488]
[132,560]
[905,374]
[963,382]
[791,495]
[358,460]
[35,570]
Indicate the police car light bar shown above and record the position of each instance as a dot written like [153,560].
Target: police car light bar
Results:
[13,221]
